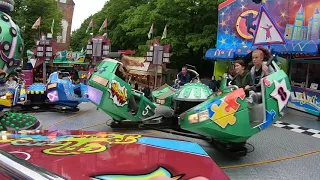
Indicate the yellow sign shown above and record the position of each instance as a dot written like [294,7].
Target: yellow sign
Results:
[78,144]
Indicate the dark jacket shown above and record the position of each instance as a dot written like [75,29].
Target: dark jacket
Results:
[184,79]
[243,80]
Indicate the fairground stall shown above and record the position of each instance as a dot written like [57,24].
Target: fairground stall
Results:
[297,21]
[72,62]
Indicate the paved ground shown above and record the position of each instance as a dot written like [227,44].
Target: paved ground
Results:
[269,145]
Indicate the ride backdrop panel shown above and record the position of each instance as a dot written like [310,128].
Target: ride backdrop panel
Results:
[296,20]
[111,156]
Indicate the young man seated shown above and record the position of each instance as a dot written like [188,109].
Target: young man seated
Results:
[184,76]
[123,73]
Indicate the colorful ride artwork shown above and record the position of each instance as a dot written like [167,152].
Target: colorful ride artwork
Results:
[228,118]
[12,46]
[112,156]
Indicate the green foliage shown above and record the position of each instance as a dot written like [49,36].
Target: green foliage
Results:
[26,13]
[192,26]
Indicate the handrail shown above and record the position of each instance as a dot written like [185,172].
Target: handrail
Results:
[18,168]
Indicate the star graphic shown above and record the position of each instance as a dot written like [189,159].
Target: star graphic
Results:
[223,41]
[243,7]
[222,14]
[234,34]
[281,93]
[223,23]
[234,43]
[295,3]
[226,32]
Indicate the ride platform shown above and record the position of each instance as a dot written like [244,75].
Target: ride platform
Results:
[289,149]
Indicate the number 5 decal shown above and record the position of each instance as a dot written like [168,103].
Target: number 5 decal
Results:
[146,110]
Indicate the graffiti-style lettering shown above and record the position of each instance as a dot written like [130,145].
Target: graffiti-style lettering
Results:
[118,93]
[78,144]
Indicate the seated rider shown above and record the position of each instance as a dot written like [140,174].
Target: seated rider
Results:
[184,76]
[242,78]
[123,73]
[260,57]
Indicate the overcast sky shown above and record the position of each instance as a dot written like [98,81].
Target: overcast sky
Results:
[83,9]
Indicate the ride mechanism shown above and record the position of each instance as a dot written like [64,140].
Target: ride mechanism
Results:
[12,47]
[226,119]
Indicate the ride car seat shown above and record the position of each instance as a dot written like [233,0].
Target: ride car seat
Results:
[77,91]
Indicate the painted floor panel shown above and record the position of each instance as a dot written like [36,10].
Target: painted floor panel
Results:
[272,143]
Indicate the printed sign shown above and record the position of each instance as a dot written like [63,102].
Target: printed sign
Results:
[267,31]
[118,93]
[305,100]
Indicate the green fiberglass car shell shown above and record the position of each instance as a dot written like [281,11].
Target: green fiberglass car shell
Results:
[227,116]
[112,94]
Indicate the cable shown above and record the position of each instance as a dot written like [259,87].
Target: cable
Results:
[67,118]
[271,161]
[251,146]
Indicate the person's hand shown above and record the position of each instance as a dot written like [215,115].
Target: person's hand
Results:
[247,87]
[167,178]
[265,69]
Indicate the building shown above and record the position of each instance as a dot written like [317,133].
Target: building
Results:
[297,31]
[64,37]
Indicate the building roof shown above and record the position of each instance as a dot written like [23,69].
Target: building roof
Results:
[300,10]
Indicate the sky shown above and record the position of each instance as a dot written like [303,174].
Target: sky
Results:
[83,9]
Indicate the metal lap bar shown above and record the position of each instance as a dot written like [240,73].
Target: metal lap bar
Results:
[18,168]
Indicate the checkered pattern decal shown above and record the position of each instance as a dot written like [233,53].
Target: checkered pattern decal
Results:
[298,129]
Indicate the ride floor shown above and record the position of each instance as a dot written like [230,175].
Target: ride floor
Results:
[290,149]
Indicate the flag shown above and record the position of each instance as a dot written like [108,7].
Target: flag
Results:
[104,25]
[164,34]
[37,23]
[52,26]
[150,32]
[90,26]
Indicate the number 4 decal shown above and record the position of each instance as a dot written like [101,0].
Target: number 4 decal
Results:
[146,110]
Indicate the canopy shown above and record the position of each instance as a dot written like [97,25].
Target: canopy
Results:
[297,47]
[292,47]
[223,54]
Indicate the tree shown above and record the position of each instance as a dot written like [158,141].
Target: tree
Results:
[26,12]
[192,27]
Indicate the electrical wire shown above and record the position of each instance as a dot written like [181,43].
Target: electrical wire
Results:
[68,118]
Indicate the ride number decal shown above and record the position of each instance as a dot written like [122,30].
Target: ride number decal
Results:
[146,110]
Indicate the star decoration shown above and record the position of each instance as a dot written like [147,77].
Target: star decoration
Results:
[221,116]
[243,7]
[283,14]
[222,14]
[234,43]
[226,32]
[281,93]
[223,41]
[295,3]
[234,34]
[223,23]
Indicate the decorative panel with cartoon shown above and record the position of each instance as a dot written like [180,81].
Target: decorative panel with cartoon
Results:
[297,20]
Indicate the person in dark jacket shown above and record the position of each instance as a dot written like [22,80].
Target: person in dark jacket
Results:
[243,77]
[184,76]
[213,84]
